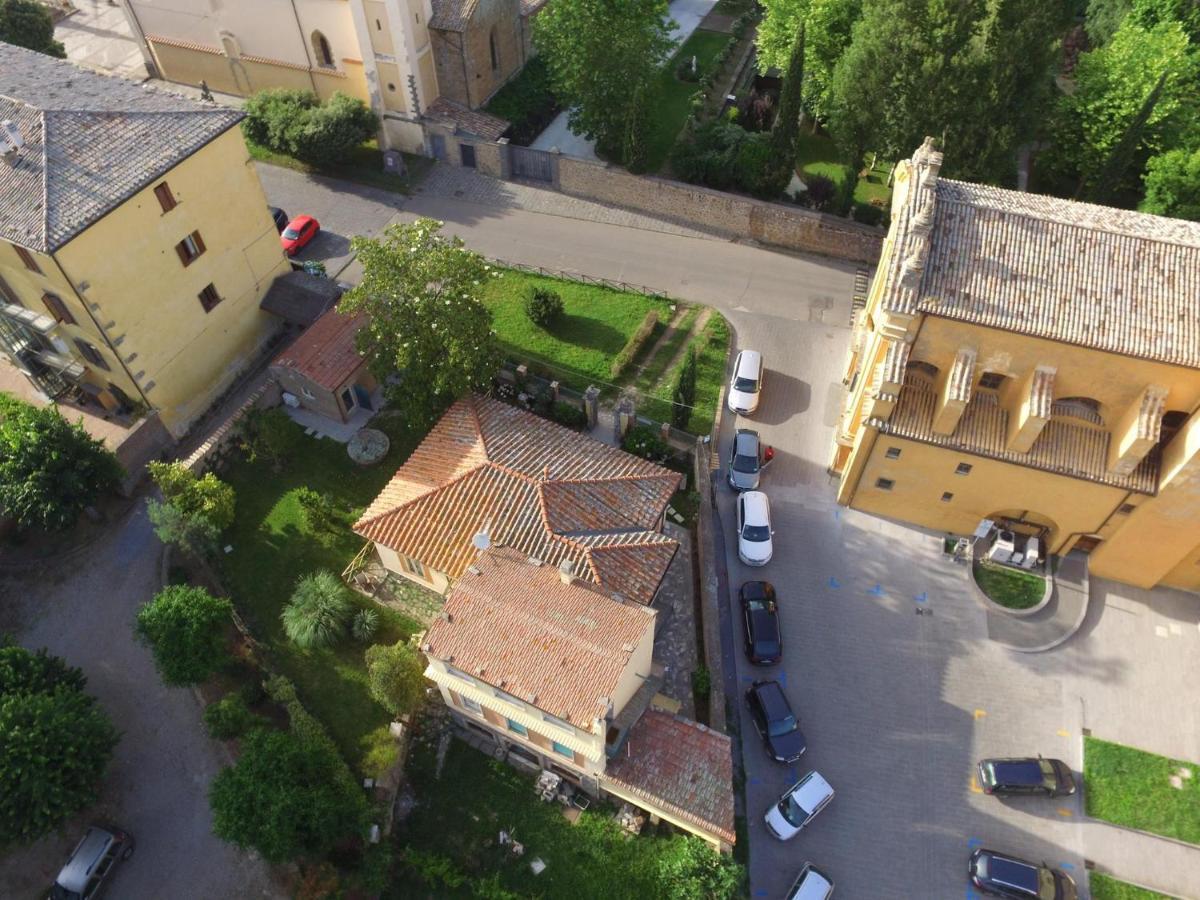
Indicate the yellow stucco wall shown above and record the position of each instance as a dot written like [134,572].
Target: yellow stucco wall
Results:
[145,297]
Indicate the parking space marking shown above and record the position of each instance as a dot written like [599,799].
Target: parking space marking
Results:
[1064,812]
[972,843]
[1062,732]
[783,679]
[980,713]
[922,597]
[834,583]
[975,788]
[1070,867]
[877,590]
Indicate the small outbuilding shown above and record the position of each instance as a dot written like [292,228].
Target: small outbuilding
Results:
[322,370]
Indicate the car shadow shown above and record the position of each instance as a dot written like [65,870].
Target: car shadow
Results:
[326,245]
[783,396]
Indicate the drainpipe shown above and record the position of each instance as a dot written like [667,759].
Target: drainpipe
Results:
[304,46]
[140,36]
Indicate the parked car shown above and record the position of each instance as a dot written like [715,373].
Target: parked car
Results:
[754,528]
[1020,777]
[775,721]
[747,458]
[746,383]
[279,217]
[1006,876]
[298,233]
[811,884]
[799,805]
[760,614]
[90,866]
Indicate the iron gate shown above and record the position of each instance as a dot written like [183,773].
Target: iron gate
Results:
[536,165]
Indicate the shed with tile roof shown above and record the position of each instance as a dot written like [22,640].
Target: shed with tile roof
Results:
[323,370]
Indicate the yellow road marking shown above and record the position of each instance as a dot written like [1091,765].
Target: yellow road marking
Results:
[975,788]
[1062,732]
[980,713]
[1064,812]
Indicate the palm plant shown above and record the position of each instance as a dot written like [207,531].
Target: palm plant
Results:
[317,613]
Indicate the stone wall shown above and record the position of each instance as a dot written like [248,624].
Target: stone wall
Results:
[264,396]
[465,73]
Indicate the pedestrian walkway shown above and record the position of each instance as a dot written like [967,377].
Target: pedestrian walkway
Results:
[1057,622]
[467,185]
[1164,865]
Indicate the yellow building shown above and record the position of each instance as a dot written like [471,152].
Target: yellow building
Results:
[135,241]
[1033,360]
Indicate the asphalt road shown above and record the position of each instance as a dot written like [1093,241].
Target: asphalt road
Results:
[157,783]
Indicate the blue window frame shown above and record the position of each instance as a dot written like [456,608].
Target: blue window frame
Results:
[517,728]
[563,751]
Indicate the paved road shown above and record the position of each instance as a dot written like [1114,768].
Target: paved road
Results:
[157,785]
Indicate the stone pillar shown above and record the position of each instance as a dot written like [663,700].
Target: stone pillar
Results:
[505,158]
[665,431]
[625,417]
[955,393]
[1032,412]
[1137,430]
[554,388]
[591,405]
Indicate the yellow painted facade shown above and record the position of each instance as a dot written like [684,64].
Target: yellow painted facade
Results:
[139,307]
[948,422]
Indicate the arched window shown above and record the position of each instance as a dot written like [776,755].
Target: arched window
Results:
[321,48]
[230,44]
[495,52]
[921,372]
[1078,408]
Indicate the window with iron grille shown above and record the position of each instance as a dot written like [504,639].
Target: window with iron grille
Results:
[190,248]
[884,484]
[91,354]
[27,259]
[963,469]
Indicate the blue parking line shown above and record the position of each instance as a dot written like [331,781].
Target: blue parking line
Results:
[877,590]
[792,773]
[834,583]
[971,895]
[837,512]
[1066,865]
[783,678]
[922,597]
[756,781]
[748,678]
[973,843]
[760,893]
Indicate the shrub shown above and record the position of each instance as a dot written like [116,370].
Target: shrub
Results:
[296,123]
[57,743]
[622,360]
[272,114]
[269,434]
[228,718]
[380,752]
[569,414]
[868,214]
[396,677]
[709,154]
[683,396]
[184,627]
[207,496]
[689,869]
[753,169]
[364,625]
[318,611]
[702,681]
[543,306]
[527,102]
[687,70]
[318,510]
[287,795]
[646,442]
[821,191]
[844,198]
[191,533]
[756,112]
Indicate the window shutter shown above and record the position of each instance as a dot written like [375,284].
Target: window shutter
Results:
[27,259]
[199,242]
[91,354]
[58,309]
[165,198]
[181,249]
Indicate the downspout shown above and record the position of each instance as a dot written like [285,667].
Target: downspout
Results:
[304,46]
[140,36]
[99,328]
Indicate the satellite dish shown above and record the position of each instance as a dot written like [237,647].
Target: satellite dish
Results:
[481,541]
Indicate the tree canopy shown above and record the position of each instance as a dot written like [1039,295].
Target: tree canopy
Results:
[827,26]
[50,469]
[395,674]
[29,24]
[604,58]
[298,124]
[1173,185]
[207,495]
[185,629]
[56,743]
[426,335]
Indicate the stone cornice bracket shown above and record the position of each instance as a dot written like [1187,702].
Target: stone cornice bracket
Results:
[961,379]
[1138,430]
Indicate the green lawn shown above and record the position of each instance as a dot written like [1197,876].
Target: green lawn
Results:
[365,166]
[1009,587]
[710,373]
[1133,788]
[1105,888]
[459,816]
[656,368]
[273,546]
[819,155]
[673,102]
[578,350]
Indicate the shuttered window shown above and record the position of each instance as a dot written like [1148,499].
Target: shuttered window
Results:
[27,258]
[91,354]
[209,298]
[190,248]
[58,309]
[165,198]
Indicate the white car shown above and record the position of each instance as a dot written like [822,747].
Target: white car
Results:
[798,806]
[746,383]
[754,528]
[811,884]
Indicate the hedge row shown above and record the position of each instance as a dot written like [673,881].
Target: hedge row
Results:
[633,345]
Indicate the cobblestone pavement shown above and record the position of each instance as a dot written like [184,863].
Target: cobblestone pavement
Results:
[675,638]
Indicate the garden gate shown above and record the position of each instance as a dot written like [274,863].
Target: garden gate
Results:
[535,165]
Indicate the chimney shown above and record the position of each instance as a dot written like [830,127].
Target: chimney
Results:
[566,571]
[11,140]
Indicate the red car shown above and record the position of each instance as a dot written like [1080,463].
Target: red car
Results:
[298,233]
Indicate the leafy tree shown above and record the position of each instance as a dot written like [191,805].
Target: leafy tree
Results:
[286,796]
[298,124]
[1104,17]
[185,629]
[543,306]
[1173,185]
[318,611]
[684,395]
[827,25]
[396,677]
[420,293]
[269,434]
[206,496]
[228,718]
[190,532]
[1112,86]
[318,510]
[56,743]
[689,870]
[1116,166]
[604,58]
[786,132]
[1149,13]
[776,33]
[50,469]
[29,24]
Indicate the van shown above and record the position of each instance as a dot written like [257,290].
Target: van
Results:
[91,863]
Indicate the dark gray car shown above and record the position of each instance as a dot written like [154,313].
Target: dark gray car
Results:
[88,870]
[747,458]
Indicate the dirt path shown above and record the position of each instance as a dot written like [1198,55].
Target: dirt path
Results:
[695,331]
[664,338]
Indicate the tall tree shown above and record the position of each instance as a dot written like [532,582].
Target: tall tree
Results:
[786,130]
[1116,167]
[827,26]
[185,627]
[1149,13]
[424,323]
[1112,85]
[1104,17]
[29,24]
[1173,185]
[604,58]
[776,33]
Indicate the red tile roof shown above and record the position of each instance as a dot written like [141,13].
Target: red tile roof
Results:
[326,353]
[681,767]
[537,487]
[518,627]
[472,121]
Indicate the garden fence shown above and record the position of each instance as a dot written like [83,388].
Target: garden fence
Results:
[580,278]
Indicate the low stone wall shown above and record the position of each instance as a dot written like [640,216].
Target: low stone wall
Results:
[148,440]
[264,396]
[710,614]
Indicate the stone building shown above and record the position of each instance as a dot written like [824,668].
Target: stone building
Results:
[1035,361]
[478,45]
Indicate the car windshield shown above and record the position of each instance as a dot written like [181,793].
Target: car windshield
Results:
[793,811]
[745,385]
[783,726]
[756,533]
[291,233]
[747,464]
[1047,885]
[1049,776]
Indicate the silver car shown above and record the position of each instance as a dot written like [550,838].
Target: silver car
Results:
[747,459]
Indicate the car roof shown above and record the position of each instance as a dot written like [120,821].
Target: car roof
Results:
[816,885]
[748,363]
[758,590]
[774,701]
[811,790]
[1014,873]
[764,624]
[755,504]
[1016,771]
[75,873]
[746,442]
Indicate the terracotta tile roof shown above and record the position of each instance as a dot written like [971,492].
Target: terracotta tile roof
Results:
[91,142]
[1112,279]
[1080,451]
[472,121]
[535,486]
[518,627]
[680,766]
[325,354]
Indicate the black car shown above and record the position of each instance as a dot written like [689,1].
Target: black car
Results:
[1006,876]
[760,613]
[775,721]
[1020,777]
[280,217]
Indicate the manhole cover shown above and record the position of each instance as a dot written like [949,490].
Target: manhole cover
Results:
[368,446]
